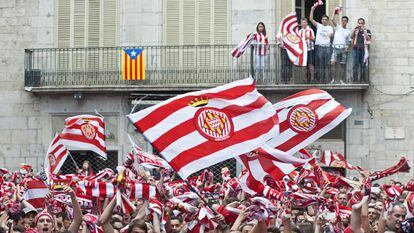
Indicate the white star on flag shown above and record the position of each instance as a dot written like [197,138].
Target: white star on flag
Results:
[133,53]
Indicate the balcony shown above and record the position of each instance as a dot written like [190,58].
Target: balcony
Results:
[168,69]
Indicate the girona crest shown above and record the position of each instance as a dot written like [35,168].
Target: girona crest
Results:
[213,124]
[302,119]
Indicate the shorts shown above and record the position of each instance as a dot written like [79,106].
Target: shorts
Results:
[339,55]
[311,57]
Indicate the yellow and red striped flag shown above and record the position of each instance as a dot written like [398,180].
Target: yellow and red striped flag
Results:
[133,64]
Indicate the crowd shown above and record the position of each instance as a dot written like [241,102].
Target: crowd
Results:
[327,52]
[111,201]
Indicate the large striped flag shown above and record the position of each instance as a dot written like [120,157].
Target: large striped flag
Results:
[55,157]
[35,193]
[266,163]
[293,42]
[304,117]
[133,64]
[85,132]
[199,129]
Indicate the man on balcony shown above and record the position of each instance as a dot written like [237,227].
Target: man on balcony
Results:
[341,43]
[361,38]
[324,34]
[307,33]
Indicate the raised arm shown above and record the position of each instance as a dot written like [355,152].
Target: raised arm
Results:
[77,212]
[334,21]
[313,21]
[106,215]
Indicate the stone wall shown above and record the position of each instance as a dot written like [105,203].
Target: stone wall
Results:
[23,24]
[386,112]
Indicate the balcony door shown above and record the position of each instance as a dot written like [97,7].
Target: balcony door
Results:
[196,22]
[86,24]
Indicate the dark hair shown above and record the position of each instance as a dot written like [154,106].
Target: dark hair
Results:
[18,228]
[327,17]
[295,229]
[176,218]
[363,20]
[345,17]
[264,28]
[273,229]
[138,223]
[306,19]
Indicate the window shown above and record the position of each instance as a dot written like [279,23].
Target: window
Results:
[190,22]
[86,23]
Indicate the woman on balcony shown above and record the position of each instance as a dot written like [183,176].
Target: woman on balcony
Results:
[261,45]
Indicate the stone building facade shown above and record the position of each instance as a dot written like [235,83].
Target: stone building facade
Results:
[378,132]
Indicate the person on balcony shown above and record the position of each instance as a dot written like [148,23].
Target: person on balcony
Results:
[261,45]
[324,34]
[341,43]
[361,38]
[307,33]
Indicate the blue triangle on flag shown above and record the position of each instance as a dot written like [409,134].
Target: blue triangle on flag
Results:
[133,53]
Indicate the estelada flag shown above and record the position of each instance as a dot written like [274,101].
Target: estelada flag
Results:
[133,64]
[199,129]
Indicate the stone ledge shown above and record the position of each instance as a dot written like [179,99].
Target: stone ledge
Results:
[188,87]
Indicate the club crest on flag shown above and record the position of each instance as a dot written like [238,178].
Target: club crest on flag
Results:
[213,124]
[302,119]
[88,131]
[293,38]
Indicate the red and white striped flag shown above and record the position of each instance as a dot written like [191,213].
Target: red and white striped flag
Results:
[139,190]
[401,166]
[267,163]
[294,43]
[199,129]
[243,45]
[123,204]
[85,132]
[304,117]
[91,222]
[35,193]
[335,159]
[150,161]
[55,157]
[97,189]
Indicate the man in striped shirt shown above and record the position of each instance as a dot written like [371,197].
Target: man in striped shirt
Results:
[307,33]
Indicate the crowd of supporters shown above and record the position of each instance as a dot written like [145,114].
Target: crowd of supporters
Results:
[205,203]
[327,52]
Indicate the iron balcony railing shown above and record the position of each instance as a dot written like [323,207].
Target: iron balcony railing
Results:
[179,65]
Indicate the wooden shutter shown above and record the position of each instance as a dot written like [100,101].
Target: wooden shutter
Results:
[78,56]
[204,38]
[109,33]
[172,23]
[189,34]
[220,22]
[93,35]
[63,37]
[172,34]
[222,56]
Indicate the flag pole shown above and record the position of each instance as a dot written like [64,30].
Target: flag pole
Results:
[73,160]
[185,180]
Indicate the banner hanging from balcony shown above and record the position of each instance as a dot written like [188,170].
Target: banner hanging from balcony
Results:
[133,64]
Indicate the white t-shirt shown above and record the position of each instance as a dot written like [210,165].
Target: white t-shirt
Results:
[342,37]
[322,35]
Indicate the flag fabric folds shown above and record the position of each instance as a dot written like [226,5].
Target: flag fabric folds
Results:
[55,157]
[85,132]
[304,117]
[35,193]
[133,64]
[292,41]
[243,45]
[198,129]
